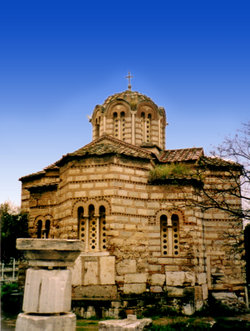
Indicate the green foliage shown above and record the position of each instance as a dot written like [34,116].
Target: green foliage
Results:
[172,170]
[156,311]
[229,324]
[11,299]
[87,322]
[181,326]
[13,225]
[8,288]
[216,308]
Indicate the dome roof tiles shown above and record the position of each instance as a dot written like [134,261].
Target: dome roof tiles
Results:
[131,97]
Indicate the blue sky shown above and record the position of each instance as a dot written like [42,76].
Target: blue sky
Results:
[58,59]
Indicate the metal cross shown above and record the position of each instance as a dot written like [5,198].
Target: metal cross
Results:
[129,80]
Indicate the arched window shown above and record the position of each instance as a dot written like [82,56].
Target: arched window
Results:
[116,124]
[92,228]
[123,125]
[47,228]
[39,229]
[164,234]
[81,224]
[97,127]
[102,227]
[143,126]
[169,228]
[148,128]
[175,239]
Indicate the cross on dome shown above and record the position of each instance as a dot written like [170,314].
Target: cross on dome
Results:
[129,80]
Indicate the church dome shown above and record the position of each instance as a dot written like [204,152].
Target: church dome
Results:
[132,117]
[131,97]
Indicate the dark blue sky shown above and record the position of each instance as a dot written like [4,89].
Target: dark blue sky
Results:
[58,59]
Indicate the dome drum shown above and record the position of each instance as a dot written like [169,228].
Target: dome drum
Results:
[131,117]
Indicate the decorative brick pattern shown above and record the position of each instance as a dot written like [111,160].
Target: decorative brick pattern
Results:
[145,236]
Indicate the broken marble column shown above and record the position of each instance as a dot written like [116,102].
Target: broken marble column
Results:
[47,291]
[130,323]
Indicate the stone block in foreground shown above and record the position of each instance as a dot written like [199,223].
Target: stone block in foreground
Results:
[47,291]
[130,323]
[65,322]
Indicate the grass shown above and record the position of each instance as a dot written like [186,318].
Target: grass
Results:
[177,323]
[182,323]
[86,325]
[173,170]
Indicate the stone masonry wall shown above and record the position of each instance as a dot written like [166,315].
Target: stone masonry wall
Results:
[222,234]
[133,259]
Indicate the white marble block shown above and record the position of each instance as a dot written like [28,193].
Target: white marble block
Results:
[66,322]
[47,291]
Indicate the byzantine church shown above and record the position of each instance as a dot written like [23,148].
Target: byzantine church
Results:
[132,203]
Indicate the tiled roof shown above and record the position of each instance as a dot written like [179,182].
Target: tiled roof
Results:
[39,173]
[181,155]
[129,96]
[42,187]
[34,174]
[108,145]
[217,162]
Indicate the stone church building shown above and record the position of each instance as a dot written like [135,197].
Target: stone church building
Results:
[145,235]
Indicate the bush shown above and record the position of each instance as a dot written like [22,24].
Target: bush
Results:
[11,298]
[173,170]
[14,225]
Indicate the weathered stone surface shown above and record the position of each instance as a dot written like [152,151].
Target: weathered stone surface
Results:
[113,175]
[229,299]
[134,288]
[198,293]
[157,279]
[201,278]
[91,273]
[50,250]
[131,323]
[155,289]
[77,272]
[188,309]
[126,267]
[205,291]
[189,279]
[47,291]
[107,270]
[175,278]
[90,312]
[180,278]
[174,291]
[95,291]
[135,278]
[66,322]
[224,296]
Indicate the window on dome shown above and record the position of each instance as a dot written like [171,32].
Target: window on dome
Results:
[143,126]
[97,127]
[148,128]
[116,124]
[122,125]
